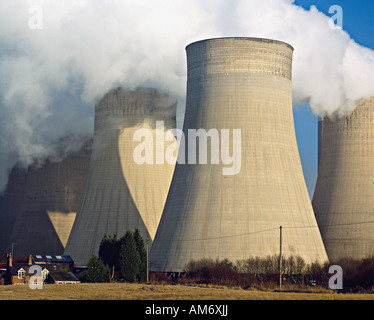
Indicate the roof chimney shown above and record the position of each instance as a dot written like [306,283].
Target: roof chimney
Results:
[10,260]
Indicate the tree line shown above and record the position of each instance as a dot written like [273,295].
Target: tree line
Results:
[358,274]
[125,259]
[122,258]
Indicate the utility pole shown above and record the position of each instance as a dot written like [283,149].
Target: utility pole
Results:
[280,256]
[147,261]
[13,243]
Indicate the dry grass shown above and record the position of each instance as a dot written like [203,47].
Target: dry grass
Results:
[127,291]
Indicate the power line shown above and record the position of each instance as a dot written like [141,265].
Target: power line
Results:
[347,224]
[230,236]
[331,225]
[276,228]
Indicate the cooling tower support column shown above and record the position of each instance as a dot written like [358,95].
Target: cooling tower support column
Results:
[343,200]
[245,84]
[121,194]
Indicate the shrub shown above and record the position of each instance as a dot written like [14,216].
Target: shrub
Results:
[97,271]
[111,252]
[139,242]
[129,258]
[214,272]
[159,277]
[357,274]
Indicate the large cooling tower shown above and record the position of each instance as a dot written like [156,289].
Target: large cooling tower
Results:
[239,83]
[9,204]
[45,206]
[344,195]
[121,194]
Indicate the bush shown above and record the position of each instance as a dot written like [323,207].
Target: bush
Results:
[111,252]
[357,274]
[318,273]
[139,242]
[159,277]
[129,258]
[97,271]
[214,272]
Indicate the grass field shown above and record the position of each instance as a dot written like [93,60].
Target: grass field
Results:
[127,291]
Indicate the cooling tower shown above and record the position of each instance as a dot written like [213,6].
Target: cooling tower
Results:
[344,195]
[48,202]
[245,84]
[121,194]
[320,134]
[9,204]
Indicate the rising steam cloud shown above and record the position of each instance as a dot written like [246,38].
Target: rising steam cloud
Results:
[50,78]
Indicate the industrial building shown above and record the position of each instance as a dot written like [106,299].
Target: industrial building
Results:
[343,199]
[121,194]
[239,84]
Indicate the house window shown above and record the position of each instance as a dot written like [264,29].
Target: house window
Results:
[21,273]
[45,274]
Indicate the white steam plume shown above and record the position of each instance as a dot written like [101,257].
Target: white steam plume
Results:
[50,78]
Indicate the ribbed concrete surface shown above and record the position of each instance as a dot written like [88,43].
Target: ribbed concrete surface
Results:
[239,83]
[344,195]
[9,205]
[120,194]
[48,201]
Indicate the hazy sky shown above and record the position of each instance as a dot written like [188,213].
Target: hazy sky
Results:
[58,57]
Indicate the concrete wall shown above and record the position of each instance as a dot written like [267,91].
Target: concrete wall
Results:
[239,83]
[344,195]
[121,195]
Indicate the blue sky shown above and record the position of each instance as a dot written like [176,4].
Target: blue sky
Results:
[358,21]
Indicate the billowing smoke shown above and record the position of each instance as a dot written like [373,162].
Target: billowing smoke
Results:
[52,70]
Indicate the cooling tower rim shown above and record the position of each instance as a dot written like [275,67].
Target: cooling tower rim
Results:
[145,89]
[266,40]
[122,101]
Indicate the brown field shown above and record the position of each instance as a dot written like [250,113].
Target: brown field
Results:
[142,291]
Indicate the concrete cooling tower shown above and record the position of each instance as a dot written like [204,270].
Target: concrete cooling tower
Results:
[43,203]
[343,199]
[234,210]
[9,205]
[121,194]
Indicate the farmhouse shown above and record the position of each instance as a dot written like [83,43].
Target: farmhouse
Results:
[53,269]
